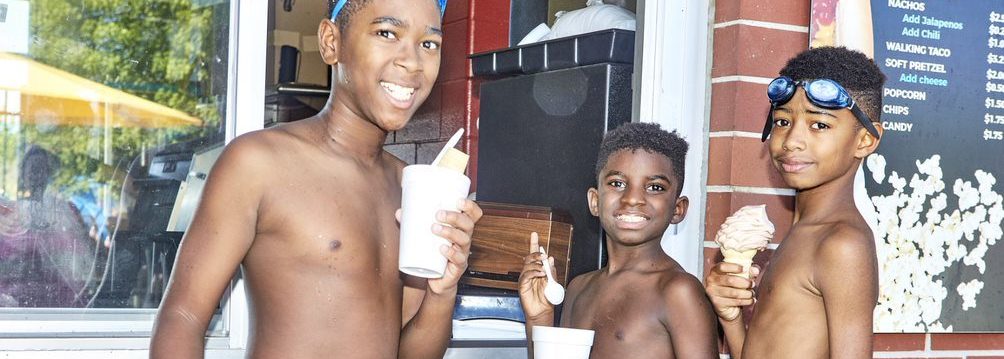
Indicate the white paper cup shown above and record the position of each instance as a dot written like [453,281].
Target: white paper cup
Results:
[426,190]
[561,343]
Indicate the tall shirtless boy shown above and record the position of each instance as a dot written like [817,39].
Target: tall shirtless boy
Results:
[308,211]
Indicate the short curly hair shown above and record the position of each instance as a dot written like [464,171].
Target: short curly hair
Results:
[649,137]
[350,9]
[851,69]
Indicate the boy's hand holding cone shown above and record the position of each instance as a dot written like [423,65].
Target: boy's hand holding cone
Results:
[743,234]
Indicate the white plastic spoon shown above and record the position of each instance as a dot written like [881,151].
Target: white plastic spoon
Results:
[553,291]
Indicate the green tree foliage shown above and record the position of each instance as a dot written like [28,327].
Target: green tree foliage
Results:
[165,51]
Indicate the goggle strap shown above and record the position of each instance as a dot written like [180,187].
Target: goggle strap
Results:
[341,4]
[864,119]
[769,124]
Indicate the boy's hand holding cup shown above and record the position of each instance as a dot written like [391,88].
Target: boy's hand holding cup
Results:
[436,219]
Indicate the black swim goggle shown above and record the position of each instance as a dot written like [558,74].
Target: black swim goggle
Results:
[824,93]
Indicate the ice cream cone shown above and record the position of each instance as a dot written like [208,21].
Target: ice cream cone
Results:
[743,258]
[730,314]
[743,234]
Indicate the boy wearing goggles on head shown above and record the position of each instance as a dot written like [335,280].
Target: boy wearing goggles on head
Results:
[307,210]
[822,283]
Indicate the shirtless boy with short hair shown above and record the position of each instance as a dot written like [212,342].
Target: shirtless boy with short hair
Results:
[816,298]
[642,304]
[307,210]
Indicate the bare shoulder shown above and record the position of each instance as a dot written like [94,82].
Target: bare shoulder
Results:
[243,157]
[845,261]
[261,150]
[578,285]
[846,242]
[253,149]
[581,281]
[574,293]
[686,311]
[681,290]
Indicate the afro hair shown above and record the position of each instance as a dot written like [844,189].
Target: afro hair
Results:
[649,137]
[851,69]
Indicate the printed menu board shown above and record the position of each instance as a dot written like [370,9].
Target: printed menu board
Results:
[933,185]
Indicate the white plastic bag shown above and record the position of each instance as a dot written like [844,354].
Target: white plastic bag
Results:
[535,34]
[590,19]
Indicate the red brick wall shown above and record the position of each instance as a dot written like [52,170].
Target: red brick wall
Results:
[469,26]
[752,41]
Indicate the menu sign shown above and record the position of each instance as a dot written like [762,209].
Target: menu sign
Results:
[933,185]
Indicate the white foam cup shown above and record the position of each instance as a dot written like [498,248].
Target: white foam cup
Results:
[426,189]
[563,343]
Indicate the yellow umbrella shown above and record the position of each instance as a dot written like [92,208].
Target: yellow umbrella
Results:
[48,94]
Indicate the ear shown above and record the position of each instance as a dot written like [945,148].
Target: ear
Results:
[867,144]
[593,198]
[329,37]
[682,204]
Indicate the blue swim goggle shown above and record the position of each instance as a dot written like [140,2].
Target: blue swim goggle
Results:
[824,93]
[341,3]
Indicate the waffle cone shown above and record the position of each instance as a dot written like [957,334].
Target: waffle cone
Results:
[730,314]
[743,258]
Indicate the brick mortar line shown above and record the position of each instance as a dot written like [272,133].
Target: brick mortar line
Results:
[764,24]
[752,190]
[734,134]
[742,78]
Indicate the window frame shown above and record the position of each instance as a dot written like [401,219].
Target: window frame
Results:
[668,90]
[675,92]
[125,333]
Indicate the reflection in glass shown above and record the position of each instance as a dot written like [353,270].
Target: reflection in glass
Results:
[103,107]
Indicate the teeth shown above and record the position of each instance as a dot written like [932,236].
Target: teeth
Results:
[630,218]
[398,92]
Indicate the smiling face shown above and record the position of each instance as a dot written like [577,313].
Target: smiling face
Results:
[637,197]
[387,59]
[811,146]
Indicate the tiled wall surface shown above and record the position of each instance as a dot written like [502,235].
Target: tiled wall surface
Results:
[469,26]
[752,41]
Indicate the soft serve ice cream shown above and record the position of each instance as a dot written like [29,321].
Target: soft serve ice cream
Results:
[743,234]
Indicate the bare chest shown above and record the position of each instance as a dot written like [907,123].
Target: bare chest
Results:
[790,269]
[787,300]
[330,219]
[622,315]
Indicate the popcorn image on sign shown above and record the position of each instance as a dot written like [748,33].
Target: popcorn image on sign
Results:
[928,227]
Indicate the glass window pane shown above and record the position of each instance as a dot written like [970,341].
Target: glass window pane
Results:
[111,114]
